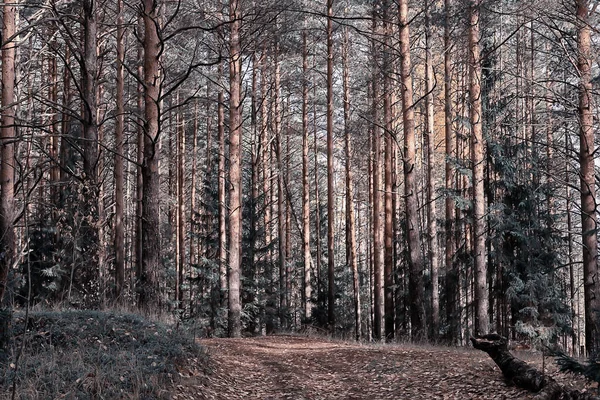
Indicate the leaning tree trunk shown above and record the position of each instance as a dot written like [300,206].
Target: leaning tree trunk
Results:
[521,374]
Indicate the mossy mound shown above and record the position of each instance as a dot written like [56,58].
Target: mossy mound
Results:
[96,355]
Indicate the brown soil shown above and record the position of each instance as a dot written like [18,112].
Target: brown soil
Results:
[292,367]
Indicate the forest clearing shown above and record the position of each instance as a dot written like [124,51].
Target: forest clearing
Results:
[296,367]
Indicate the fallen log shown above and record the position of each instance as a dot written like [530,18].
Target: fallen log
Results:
[522,375]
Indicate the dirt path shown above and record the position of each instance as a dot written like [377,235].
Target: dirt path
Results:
[289,367]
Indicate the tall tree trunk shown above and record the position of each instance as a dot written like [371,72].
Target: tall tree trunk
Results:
[378,251]
[221,191]
[235,169]
[7,142]
[388,176]
[305,185]
[151,254]
[180,246]
[317,196]
[89,72]
[417,309]
[477,161]
[452,280]
[431,211]
[119,231]
[193,221]
[351,258]
[280,190]
[591,285]
[330,188]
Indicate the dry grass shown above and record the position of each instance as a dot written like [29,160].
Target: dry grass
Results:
[95,355]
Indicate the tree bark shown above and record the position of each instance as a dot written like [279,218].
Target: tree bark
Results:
[351,257]
[151,254]
[180,246]
[7,143]
[432,230]
[378,251]
[591,286]
[221,192]
[305,186]
[89,72]
[477,164]
[235,169]
[388,273]
[452,280]
[330,171]
[119,232]
[417,309]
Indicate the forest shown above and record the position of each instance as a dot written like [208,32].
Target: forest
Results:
[378,170]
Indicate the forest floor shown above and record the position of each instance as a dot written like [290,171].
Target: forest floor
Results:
[295,367]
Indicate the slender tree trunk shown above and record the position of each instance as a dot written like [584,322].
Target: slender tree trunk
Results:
[180,247]
[283,306]
[452,280]
[378,250]
[388,177]
[416,262]
[8,137]
[591,285]
[351,258]
[305,185]
[193,221]
[477,161]
[221,192]
[119,231]
[317,198]
[151,254]
[235,169]
[431,211]
[330,189]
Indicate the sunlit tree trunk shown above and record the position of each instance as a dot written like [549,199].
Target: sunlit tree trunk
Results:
[432,230]
[416,262]
[378,250]
[305,185]
[388,176]
[330,189]
[452,280]
[351,257]
[221,191]
[235,169]
[588,184]
[477,161]
[7,150]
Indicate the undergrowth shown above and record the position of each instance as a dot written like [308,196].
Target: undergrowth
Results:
[96,355]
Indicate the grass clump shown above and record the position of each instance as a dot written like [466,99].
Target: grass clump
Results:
[96,355]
